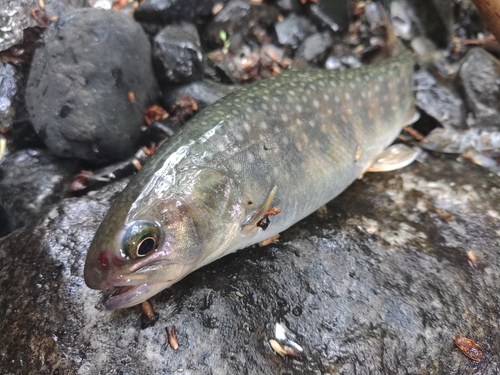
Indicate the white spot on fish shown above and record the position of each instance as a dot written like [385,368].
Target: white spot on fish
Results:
[263,125]
[304,98]
[284,117]
[298,108]
[315,103]
[264,106]
[250,157]
[246,126]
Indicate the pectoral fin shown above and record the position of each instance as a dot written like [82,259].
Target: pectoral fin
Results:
[413,117]
[394,157]
[255,221]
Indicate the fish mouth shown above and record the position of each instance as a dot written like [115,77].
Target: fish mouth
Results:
[128,296]
[138,288]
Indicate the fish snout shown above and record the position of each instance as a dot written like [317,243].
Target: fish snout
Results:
[97,270]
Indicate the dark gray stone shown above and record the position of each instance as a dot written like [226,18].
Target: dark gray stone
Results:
[289,5]
[166,11]
[203,92]
[430,18]
[380,284]
[15,16]
[293,30]
[239,16]
[441,102]
[336,14]
[79,84]
[315,46]
[31,181]
[8,90]
[177,55]
[479,78]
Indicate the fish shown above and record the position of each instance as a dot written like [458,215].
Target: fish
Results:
[247,168]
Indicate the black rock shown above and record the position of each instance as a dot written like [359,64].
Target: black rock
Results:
[315,46]
[177,54]
[166,11]
[430,18]
[239,16]
[439,101]
[30,181]
[334,13]
[90,82]
[8,90]
[5,227]
[380,285]
[204,92]
[289,5]
[293,30]
[479,78]
[16,16]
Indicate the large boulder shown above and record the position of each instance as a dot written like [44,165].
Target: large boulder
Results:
[380,283]
[90,82]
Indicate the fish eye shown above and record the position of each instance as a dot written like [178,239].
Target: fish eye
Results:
[140,239]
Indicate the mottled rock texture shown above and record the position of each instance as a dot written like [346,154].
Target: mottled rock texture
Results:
[379,284]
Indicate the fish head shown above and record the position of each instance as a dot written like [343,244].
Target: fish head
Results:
[150,242]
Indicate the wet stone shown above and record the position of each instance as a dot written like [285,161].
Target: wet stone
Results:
[439,101]
[177,54]
[359,287]
[289,5]
[204,92]
[479,78]
[430,18]
[334,13]
[16,16]
[80,84]
[293,30]
[30,181]
[167,11]
[315,46]
[242,17]
[8,90]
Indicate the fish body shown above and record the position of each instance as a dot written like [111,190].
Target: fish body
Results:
[294,142]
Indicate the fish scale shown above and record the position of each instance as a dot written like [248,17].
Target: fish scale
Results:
[294,141]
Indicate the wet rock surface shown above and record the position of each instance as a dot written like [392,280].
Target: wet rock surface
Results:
[203,92]
[177,54]
[79,87]
[334,13]
[16,16]
[8,90]
[439,100]
[242,17]
[293,30]
[32,180]
[479,77]
[165,11]
[381,282]
[432,19]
